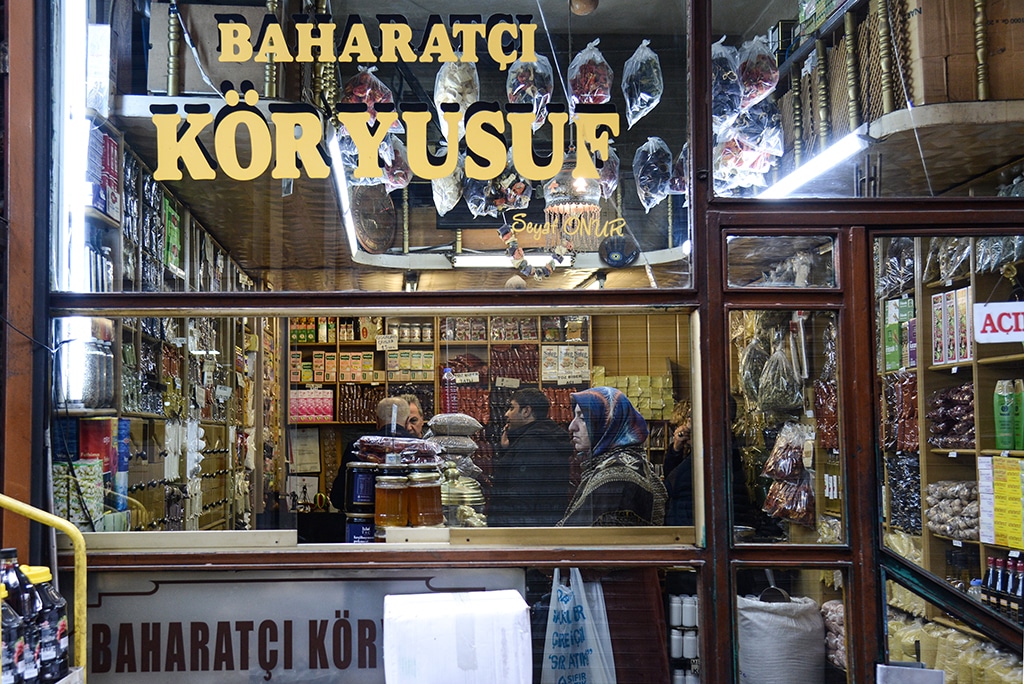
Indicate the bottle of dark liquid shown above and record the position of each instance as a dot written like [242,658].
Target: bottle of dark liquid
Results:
[1007,607]
[988,586]
[53,625]
[24,599]
[12,647]
[1018,593]
[998,593]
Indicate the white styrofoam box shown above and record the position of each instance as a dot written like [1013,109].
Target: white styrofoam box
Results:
[457,637]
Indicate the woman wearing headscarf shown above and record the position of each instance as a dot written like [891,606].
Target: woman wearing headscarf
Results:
[617,486]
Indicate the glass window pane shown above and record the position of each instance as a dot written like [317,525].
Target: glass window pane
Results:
[298,212]
[778,261]
[848,100]
[948,401]
[788,462]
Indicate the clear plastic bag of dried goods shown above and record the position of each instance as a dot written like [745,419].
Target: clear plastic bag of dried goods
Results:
[786,461]
[350,160]
[780,387]
[752,360]
[758,71]
[447,190]
[678,184]
[590,77]
[642,83]
[456,83]
[609,174]
[652,168]
[726,91]
[792,501]
[397,174]
[509,191]
[760,127]
[365,88]
[531,83]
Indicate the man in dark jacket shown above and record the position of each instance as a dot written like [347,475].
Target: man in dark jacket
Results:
[531,473]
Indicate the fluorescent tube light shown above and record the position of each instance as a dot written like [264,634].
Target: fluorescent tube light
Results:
[825,161]
[501,260]
[338,170]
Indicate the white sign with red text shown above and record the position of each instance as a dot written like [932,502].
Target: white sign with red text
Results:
[999,322]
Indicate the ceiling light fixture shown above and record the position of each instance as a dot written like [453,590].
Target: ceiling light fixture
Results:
[822,163]
[341,183]
[501,261]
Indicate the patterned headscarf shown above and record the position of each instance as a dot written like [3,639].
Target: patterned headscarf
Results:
[610,419]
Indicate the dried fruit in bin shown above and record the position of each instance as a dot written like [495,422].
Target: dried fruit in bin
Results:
[590,77]
[642,83]
[652,168]
[758,71]
[456,83]
[531,83]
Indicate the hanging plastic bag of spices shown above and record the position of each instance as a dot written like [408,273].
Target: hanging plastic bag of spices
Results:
[509,191]
[760,127]
[397,174]
[365,88]
[758,71]
[642,83]
[752,361]
[456,83]
[726,91]
[447,191]
[531,83]
[652,168]
[678,184]
[350,160]
[780,388]
[609,174]
[590,77]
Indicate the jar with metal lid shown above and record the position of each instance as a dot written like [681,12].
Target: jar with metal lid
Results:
[393,328]
[359,528]
[425,499]
[360,479]
[390,505]
[426,332]
[414,332]
[404,331]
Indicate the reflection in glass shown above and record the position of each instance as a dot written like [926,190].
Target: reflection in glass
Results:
[850,99]
[786,448]
[810,603]
[777,261]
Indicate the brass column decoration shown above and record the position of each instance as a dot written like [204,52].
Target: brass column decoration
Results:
[458,241]
[852,73]
[270,70]
[405,220]
[173,43]
[885,57]
[821,97]
[981,48]
[798,123]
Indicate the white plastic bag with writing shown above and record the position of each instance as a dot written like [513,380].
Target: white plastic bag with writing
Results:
[577,643]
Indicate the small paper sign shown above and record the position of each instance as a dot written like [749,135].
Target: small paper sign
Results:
[574,378]
[387,342]
[999,322]
[467,378]
[511,383]
[223,392]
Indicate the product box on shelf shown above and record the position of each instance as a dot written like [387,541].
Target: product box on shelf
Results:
[311,406]
[964,324]
[949,326]
[940,62]
[1005,39]
[938,328]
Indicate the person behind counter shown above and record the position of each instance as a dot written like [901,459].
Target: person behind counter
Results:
[530,477]
[618,486]
[679,467]
[416,420]
[391,409]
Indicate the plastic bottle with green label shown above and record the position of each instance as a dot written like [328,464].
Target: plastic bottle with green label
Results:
[1002,405]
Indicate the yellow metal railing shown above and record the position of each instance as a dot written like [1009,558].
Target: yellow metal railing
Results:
[78,542]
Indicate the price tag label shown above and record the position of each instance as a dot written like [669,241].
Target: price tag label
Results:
[200,393]
[1015,553]
[953,454]
[573,378]
[957,543]
[1005,454]
[177,341]
[314,386]
[223,392]
[467,378]
[511,383]
[387,342]
[209,366]
[954,369]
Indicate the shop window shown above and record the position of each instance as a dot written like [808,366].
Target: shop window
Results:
[788,463]
[864,100]
[577,179]
[948,361]
[792,620]
[781,261]
[490,424]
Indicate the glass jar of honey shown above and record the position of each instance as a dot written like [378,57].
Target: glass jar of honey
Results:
[391,508]
[425,499]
